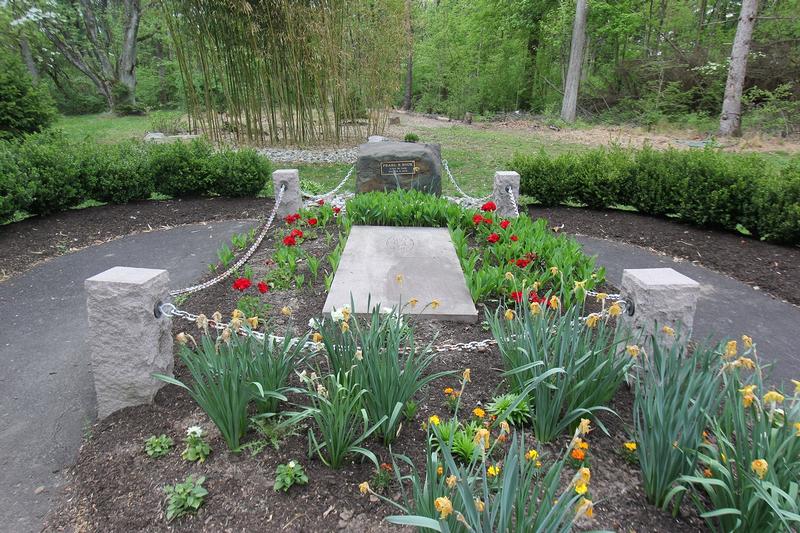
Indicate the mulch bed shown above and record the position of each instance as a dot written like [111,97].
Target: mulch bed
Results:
[115,487]
[773,268]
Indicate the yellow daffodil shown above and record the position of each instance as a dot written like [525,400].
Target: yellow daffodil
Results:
[433,419]
[202,322]
[478,412]
[748,395]
[435,304]
[731,349]
[797,429]
[252,322]
[451,481]
[509,314]
[532,455]
[509,276]
[345,314]
[553,270]
[182,338]
[443,506]
[413,302]
[363,488]
[668,331]
[630,446]
[747,341]
[796,386]
[760,467]
[504,427]
[538,464]
[584,427]
[554,302]
[439,470]
[448,390]
[345,327]
[585,475]
[592,320]
[237,314]
[580,285]
[536,286]
[482,437]
[585,507]
[286,311]
[479,505]
[535,308]
[236,323]
[773,397]
[615,309]
[316,337]
[493,471]
[399,279]
[746,362]
[216,317]
[633,350]
[600,296]
[581,488]
[466,376]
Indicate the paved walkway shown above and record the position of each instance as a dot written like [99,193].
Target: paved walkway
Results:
[726,307]
[46,387]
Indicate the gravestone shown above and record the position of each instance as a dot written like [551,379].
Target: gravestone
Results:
[385,166]
[389,267]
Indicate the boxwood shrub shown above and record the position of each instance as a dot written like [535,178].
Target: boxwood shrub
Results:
[707,188]
[45,173]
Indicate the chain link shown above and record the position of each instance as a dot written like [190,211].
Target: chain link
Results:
[242,260]
[510,192]
[315,197]
[470,199]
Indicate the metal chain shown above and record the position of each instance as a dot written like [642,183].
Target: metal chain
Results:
[334,190]
[242,260]
[510,192]
[458,188]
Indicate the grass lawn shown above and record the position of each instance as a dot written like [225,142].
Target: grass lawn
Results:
[108,128]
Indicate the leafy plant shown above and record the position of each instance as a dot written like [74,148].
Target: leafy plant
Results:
[675,392]
[25,107]
[184,498]
[271,432]
[411,137]
[225,255]
[506,407]
[158,446]
[197,449]
[269,368]
[289,474]
[563,367]
[340,423]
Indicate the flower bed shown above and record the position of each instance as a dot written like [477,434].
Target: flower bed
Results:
[370,424]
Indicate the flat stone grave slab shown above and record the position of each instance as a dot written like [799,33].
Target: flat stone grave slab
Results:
[425,258]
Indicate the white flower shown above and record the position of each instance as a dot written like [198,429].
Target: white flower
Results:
[291,464]
[337,315]
[195,431]
[359,354]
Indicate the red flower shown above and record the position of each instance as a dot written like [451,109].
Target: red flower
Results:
[504,224]
[534,298]
[241,284]
[289,240]
[516,296]
[477,219]
[493,238]
[336,210]
[292,218]
[487,221]
[522,263]
[320,202]
[514,238]
[312,221]
[296,233]
[489,206]
[262,287]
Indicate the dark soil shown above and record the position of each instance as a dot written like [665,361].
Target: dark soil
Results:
[115,487]
[773,268]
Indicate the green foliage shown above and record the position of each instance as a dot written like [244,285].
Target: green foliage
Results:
[506,407]
[182,169]
[158,446]
[14,195]
[289,474]
[737,498]
[675,392]
[371,351]
[411,137]
[562,366]
[340,423]
[404,208]
[24,107]
[168,123]
[116,173]
[270,366]
[707,188]
[184,498]
[238,173]
[197,449]
[271,432]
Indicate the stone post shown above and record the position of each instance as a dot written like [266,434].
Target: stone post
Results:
[661,297]
[126,341]
[502,180]
[292,197]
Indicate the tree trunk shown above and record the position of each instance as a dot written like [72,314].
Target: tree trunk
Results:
[162,72]
[730,123]
[27,57]
[126,66]
[410,65]
[570,102]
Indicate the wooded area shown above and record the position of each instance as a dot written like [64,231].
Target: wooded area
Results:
[279,70]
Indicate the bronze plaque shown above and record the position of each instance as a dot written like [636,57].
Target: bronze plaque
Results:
[390,168]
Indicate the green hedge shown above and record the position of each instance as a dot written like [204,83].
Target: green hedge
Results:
[707,188]
[45,173]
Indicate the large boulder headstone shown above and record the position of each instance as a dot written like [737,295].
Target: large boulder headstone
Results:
[385,166]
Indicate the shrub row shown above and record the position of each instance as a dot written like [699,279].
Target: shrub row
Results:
[706,188]
[46,173]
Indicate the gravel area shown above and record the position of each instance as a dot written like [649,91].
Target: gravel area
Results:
[296,155]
